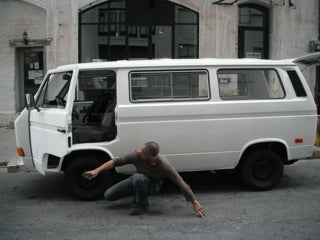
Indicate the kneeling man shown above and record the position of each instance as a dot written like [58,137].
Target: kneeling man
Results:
[152,169]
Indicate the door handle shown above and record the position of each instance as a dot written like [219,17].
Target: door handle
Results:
[61,130]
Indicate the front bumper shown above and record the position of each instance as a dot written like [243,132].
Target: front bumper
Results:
[17,165]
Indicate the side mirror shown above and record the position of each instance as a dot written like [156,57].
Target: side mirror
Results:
[30,103]
[67,76]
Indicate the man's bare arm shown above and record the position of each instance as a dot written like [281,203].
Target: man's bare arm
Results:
[93,173]
[175,177]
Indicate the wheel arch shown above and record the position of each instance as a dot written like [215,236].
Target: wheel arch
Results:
[277,145]
[101,152]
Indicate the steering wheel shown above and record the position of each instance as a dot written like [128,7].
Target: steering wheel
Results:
[60,101]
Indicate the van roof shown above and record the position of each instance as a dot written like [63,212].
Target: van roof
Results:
[179,63]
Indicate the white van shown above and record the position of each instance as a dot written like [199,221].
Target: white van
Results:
[251,115]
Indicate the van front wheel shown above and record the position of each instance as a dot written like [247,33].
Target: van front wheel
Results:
[262,170]
[87,189]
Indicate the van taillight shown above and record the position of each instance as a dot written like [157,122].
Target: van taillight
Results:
[20,152]
[298,140]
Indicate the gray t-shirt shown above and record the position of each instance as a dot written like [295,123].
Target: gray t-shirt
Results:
[163,170]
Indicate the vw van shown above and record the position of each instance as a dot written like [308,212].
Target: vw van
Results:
[252,116]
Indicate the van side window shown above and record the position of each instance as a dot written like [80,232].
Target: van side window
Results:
[296,83]
[95,83]
[55,90]
[168,86]
[249,84]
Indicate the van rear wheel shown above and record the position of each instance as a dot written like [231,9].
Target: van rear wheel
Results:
[262,170]
[87,189]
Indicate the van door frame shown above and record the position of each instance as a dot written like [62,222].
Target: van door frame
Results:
[50,128]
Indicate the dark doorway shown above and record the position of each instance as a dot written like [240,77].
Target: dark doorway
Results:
[30,73]
[253,32]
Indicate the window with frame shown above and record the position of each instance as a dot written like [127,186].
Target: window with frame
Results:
[112,21]
[54,92]
[250,84]
[117,29]
[92,85]
[253,36]
[169,86]
[186,50]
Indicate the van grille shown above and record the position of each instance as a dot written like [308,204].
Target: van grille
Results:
[296,83]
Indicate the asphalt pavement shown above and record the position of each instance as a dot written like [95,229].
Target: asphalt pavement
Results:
[33,206]
[36,207]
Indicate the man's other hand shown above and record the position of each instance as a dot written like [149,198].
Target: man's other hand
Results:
[197,208]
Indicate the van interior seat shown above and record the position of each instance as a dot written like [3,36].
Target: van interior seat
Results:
[98,108]
[98,133]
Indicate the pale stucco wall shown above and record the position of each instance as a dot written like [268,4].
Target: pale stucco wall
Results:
[291,30]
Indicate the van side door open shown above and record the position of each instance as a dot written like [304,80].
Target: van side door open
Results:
[93,118]
[49,133]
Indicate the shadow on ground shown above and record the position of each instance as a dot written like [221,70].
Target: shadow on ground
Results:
[53,185]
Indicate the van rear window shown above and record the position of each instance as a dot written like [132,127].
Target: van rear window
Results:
[169,86]
[249,84]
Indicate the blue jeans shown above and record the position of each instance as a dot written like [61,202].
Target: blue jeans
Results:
[138,185]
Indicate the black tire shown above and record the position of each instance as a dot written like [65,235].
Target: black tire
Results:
[87,189]
[262,170]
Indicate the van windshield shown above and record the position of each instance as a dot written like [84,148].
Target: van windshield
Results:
[54,91]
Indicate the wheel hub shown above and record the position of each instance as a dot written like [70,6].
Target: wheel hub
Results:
[262,170]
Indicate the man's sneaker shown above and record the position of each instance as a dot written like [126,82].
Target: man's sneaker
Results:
[137,210]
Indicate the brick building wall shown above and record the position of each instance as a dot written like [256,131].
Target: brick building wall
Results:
[55,22]
[15,18]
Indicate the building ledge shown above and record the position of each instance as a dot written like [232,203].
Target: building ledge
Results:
[30,43]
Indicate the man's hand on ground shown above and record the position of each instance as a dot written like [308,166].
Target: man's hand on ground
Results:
[90,174]
[198,209]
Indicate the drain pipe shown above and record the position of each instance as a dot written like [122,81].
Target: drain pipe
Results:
[319,20]
[317,83]
[318,67]
[317,90]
